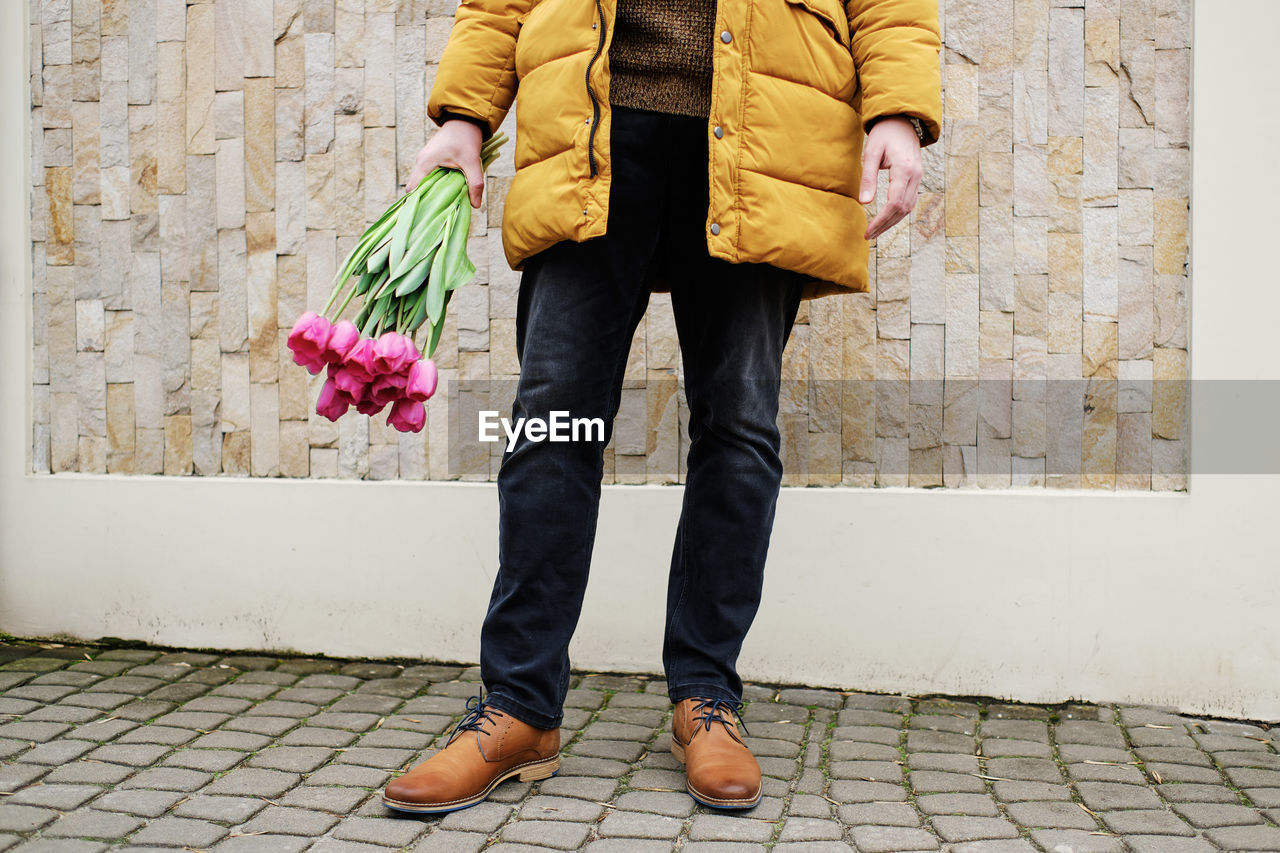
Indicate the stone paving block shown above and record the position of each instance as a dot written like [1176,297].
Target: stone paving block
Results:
[558,835]
[543,807]
[169,779]
[1165,844]
[657,802]
[1032,730]
[89,773]
[38,732]
[252,781]
[640,825]
[879,814]
[939,723]
[14,818]
[1264,798]
[1016,792]
[484,817]
[804,697]
[244,742]
[927,741]
[1123,774]
[271,726]
[866,792]
[350,721]
[157,734]
[625,845]
[810,829]
[179,832]
[396,739]
[1071,753]
[1005,748]
[444,841]
[1174,756]
[284,820]
[723,847]
[1010,845]
[60,845]
[715,827]
[1090,733]
[140,803]
[582,787]
[892,839]
[958,804]
[78,715]
[62,797]
[56,752]
[262,844]
[1051,815]
[1245,837]
[395,831]
[1193,793]
[932,782]
[88,823]
[293,759]
[350,774]
[1103,796]
[964,828]
[854,717]
[1077,841]
[812,847]
[945,762]
[1025,769]
[858,751]
[1146,822]
[1228,743]
[1210,815]
[231,810]
[15,776]
[1162,772]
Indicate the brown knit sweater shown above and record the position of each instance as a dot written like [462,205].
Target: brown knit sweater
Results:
[660,56]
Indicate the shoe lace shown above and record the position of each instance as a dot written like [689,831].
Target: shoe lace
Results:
[478,713]
[709,711]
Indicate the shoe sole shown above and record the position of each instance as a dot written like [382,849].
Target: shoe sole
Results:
[531,772]
[677,749]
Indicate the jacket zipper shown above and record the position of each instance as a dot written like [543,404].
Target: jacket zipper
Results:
[595,104]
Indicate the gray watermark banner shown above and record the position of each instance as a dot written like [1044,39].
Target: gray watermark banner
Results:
[1123,427]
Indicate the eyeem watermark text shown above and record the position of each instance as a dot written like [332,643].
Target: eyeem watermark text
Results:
[560,427]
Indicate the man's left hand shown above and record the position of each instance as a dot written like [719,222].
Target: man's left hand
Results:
[891,144]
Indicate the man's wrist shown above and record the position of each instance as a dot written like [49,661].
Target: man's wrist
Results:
[916,124]
[449,115]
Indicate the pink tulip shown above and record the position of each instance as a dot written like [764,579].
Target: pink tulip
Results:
[341,339]
[407,415]
[351,379]
[333,403]
[388,388]
[392,353]
[308,338]
[359,360]
[369,407]
[422,380]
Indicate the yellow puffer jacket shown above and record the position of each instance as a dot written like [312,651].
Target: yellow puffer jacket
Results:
[796,83]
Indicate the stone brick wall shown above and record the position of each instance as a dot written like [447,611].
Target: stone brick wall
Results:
[198,169]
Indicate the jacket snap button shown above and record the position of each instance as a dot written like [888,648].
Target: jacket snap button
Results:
[584,211]
[726,37]
[719,131]
[715,227]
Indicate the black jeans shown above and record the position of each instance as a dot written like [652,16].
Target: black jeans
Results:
[579,304]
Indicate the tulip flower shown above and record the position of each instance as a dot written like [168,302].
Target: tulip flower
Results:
[407,415]
[333,403]
[342,338]
[360,360]
[393,352]
[308,339]
[387,388]
[421,382]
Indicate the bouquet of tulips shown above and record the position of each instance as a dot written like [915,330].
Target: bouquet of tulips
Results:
[404,268]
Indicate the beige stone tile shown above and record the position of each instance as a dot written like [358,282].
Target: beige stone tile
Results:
[1170,389]
[1066,83]
[1170,235]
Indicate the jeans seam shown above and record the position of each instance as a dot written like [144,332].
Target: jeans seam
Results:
[701,690]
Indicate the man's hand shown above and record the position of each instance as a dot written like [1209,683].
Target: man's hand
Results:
[891,144]
[456,144]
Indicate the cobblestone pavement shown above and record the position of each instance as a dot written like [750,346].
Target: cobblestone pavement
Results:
[132,749]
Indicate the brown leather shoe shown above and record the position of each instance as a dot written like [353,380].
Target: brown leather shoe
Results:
[721,770]
[487,747]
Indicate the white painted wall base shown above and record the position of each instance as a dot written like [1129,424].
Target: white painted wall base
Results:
[1043,596]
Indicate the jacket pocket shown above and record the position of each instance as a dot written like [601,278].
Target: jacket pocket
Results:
[830,13]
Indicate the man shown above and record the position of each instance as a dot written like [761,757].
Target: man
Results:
[715,151]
